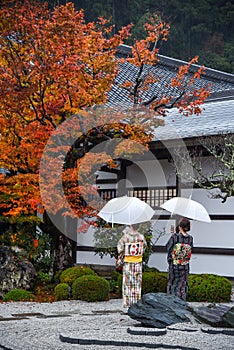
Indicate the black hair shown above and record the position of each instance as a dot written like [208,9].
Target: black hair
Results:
[184,223]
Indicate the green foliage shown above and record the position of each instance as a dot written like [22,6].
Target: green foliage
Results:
[154,282]
[61,291]
[21,232]
[43,278]
[115,283]
[91,288]
[19,295]
[72,273]
[209,288]
[41,257]
[151,269]
[18,234]
[120,284]
[193,29]
[57,275]
[106,239]
[146,230]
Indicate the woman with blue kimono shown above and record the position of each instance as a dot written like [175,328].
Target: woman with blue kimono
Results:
[179,248]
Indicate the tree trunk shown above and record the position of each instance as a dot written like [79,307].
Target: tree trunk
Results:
[62,253]
[61,246]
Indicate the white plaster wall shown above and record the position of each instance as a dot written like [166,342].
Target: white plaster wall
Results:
[217,264]
[157,174]
[213,206]
[200,263]
[91,258]
[162,231]
[158,260]
[103,175]
[86,238]
[217,234]
[210,165]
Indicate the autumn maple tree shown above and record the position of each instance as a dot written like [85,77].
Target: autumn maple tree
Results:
[53,66]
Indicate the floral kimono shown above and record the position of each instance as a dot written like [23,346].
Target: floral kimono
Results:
[179,248]
[131,247]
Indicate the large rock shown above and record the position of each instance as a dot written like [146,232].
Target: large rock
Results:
[216,315]
[159,310]
[15,272]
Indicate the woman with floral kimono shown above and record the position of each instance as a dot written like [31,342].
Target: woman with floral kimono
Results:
[179,248]
[131,247]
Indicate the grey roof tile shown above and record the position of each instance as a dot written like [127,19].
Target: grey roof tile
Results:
[217,118]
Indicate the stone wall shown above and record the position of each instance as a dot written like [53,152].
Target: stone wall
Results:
[15,271]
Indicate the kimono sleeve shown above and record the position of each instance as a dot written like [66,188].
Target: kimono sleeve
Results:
[121,245]
[191,241]
[169,245]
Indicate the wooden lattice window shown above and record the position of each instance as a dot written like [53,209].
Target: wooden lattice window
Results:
[107,194]
[153,196]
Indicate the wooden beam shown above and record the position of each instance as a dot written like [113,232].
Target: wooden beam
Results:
[199,250]
[162,249]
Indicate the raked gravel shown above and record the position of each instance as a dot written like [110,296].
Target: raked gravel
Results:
[39,326]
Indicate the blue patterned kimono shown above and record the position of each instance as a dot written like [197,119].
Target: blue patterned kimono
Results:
[179,248]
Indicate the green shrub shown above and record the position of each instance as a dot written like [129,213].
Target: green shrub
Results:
[19,295]
[150,269]
[57,275]
[72,273]
[120,284]
[154,282]
[43,278]
[61,291]
[116,283]
[210,288]
[91,288]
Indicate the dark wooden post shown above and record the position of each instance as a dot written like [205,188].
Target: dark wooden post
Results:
[121,184]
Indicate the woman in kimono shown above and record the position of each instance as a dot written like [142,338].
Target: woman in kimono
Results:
[131,247]
[179,248]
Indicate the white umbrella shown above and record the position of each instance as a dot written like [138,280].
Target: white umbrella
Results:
[187,207]
[126,210]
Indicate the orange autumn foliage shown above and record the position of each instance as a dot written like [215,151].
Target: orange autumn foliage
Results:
[54,65]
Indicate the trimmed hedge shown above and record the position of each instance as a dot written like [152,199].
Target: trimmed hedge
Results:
[72,273]
[19,295]
[43,278]
[91,288]
[116,283]
[61,291]
[154,282]
[202,287]
[210,288]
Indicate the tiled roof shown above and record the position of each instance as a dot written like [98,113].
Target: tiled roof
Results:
[217,116]
[166,69]
[170,64]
